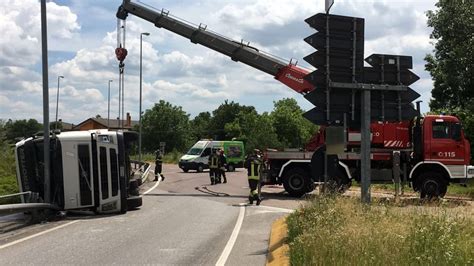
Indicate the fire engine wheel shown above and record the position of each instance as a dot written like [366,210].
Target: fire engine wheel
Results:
[432,185]
[230,168]
[297,182]
[200,168]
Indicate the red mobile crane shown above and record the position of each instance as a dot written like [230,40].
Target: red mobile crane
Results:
[433,150]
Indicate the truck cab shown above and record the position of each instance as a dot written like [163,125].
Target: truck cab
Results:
[90,170]
[441,155]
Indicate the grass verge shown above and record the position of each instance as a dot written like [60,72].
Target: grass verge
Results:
[8,184]
[454,190]
[171,157]
[342,231]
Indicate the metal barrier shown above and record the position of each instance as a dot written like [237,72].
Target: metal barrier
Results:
[138,166]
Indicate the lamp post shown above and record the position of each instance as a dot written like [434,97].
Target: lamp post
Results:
[108,107]
[57,103]
[140,109]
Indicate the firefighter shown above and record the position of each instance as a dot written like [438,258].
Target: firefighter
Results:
[214,167]
[222,165]
[253,163]
[159,165]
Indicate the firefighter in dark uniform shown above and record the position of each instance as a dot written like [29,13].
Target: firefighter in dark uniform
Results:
[253,163]
[159,165]
[222,165]
[214,167]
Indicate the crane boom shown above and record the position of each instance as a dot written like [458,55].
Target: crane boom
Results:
[289,74]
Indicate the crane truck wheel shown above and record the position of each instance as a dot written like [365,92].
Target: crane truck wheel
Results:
[432,185]
[297,182]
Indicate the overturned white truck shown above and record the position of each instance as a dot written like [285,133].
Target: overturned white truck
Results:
[90,170]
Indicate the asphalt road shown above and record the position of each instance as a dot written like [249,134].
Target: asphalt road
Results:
[183,221]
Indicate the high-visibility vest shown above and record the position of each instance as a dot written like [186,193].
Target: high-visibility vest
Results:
[255,170]
[214,161]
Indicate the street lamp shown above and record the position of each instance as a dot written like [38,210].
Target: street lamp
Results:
[108,107]
[57,103]
[140,111]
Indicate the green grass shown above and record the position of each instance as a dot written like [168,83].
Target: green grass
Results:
[453,189]
[342,231]
[171,157]
[8,183]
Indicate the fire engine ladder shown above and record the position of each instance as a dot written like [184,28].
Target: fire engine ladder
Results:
[237,51]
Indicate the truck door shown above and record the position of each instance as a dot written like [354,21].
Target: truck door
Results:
[446,144]
[109,196]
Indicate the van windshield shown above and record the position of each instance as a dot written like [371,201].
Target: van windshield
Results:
[195,151]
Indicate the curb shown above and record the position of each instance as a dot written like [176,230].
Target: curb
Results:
[277,248]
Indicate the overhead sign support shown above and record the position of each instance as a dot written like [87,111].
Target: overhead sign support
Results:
[344,86]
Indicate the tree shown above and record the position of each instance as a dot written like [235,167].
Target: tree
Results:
[292,128]
[452,64]
[255,130]
[225,113]
[21,129]
[200,126]
[165,123]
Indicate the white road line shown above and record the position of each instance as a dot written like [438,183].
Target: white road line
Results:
[38,234]
[157,183]
[233,237]
[276,209]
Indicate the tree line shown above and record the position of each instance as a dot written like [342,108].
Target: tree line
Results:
[283,127]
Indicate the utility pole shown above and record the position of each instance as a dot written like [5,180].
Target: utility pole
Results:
[57,103]
[140,109]
[44,51]
[108,107]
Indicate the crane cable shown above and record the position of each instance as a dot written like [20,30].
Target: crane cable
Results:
[121,54]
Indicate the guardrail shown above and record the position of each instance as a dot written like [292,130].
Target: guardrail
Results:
[143,167]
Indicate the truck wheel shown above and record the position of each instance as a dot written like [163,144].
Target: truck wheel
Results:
[200,168]
[185,170]
[230,168]
[297,182]
[432,185]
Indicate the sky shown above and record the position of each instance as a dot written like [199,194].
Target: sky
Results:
[82,39]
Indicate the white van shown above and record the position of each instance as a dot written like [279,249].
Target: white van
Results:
[197,157]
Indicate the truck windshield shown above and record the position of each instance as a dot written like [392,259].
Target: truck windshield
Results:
[194,151]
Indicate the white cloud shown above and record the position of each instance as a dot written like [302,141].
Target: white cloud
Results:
[20,26]
[174,69]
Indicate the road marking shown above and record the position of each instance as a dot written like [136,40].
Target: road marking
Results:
[38,234]
[157,183]
[276,209]
[233,237]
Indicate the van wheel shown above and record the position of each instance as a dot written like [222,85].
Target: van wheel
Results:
[200,168]
[230,168]
[297,182]
[432,185]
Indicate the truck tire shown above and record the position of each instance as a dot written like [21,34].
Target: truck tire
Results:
[185,170]
[432,185]
[230,168]
[200,168]
[297,182]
